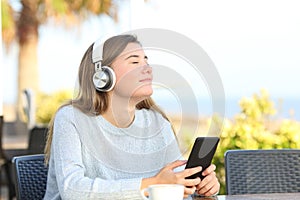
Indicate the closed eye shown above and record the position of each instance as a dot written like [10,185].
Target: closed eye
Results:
[136,56]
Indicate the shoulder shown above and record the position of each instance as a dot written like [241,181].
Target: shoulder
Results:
[64,112]
[68,113]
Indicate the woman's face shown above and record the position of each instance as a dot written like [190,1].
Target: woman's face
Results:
[133,74]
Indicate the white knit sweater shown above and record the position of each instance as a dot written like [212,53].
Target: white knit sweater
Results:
[92,159]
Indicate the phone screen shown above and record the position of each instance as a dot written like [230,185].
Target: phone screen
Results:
[202,154]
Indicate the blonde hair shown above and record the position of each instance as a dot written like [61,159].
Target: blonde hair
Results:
[88,99]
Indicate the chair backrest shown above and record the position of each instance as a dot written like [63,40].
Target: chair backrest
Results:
[37,140]
[1,135]
[262,171]
[30,176]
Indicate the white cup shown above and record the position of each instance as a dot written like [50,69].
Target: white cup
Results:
[164,191]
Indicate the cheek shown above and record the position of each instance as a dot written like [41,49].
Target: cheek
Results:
[122,73]
[127,84]
[127,81]
[125,77]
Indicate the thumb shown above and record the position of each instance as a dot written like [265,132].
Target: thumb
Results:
[175,164]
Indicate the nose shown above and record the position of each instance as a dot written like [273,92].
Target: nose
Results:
[147,69]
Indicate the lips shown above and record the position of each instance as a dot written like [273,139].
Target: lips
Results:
[146,80]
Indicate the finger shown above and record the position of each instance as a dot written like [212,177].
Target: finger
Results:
[209,178]
[212,191]
[205,187]
[191,182]
[189,190]
[209,185]
[190,171]
[175,164]
[209,170]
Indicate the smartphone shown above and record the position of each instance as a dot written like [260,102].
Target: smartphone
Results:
[202,153]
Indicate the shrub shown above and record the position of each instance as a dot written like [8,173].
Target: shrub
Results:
[47,104]
[254,128]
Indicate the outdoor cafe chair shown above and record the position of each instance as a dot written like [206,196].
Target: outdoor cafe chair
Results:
[4,164]
[262,171]
[36,143]
[30,176]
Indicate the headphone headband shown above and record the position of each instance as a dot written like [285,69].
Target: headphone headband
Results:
[97,51]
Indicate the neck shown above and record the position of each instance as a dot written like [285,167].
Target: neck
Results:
[120,113]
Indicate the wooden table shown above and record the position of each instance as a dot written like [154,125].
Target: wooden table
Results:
[273,196]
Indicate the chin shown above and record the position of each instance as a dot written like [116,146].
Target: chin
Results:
[144,92]
[147,90]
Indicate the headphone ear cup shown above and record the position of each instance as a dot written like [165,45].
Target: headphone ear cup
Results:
[105,79]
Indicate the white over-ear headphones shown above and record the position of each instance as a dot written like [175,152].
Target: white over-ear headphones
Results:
[104,78]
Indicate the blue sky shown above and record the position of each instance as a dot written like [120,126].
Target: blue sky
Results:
[254,44]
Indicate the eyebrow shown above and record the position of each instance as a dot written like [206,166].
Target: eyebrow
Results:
[134,56]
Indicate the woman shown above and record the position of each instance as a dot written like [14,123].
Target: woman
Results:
[112,140]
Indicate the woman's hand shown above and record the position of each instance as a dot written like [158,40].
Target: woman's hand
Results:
[167,176]
[209,185]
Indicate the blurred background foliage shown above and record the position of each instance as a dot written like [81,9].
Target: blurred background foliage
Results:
[47,104]
[254,127]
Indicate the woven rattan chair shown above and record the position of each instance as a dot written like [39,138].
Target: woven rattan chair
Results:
[30,176]
[36,144]
[262,171]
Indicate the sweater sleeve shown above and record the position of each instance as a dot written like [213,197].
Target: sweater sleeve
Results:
[70,170]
